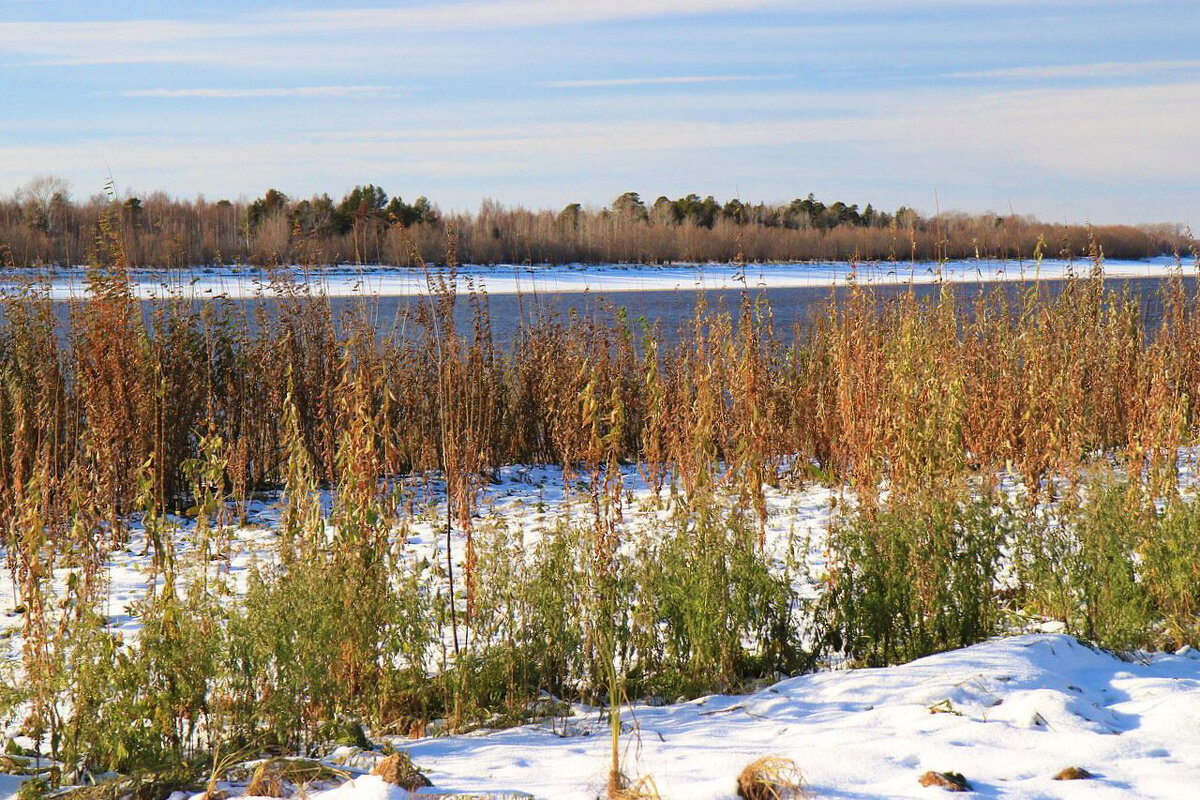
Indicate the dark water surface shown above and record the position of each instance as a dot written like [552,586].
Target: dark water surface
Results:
[672,310]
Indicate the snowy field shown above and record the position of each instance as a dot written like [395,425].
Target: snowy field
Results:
[1008,714]
[350,281]
[526,499]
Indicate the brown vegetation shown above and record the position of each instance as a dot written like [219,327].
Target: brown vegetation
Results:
[398,770]
[916,406]
[771,778]
[904,394]
[281,777]
[41,225]
[950,781]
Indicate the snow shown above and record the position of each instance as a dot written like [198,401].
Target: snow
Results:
[528,500]
[370,281]
[367,787]
[1008,713]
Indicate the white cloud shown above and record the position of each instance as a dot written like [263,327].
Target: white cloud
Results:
[87,42]
[1073,133]
[493,14]
[1104,153]
[666,80]
[183,41]
[1099,70]
[290,91]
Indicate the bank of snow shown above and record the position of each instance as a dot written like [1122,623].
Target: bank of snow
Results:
[1008,714]
[370,281]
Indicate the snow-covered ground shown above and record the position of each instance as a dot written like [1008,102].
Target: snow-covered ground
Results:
[527,499]
[350,281]
[1008,714]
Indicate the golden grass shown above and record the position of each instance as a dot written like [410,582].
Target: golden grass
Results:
[771,778]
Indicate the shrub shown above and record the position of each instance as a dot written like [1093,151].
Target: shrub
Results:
[712,610]
[914,578]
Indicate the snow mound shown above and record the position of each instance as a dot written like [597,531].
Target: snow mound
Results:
[1009,714]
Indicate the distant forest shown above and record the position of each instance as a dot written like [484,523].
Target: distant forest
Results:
[40,224]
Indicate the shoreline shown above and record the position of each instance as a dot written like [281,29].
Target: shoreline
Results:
[383,281]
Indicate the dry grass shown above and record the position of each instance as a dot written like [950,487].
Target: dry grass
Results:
[192,410]
[950,781]
[641,789]
[398,770]
[279,777]
[771,778]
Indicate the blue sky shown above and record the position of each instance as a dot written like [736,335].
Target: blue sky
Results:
[1072,111]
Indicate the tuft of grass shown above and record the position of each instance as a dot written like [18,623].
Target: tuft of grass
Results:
[279,777]
[771,778]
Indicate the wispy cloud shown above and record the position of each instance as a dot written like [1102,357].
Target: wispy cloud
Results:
[494,14]
[665,80]
[87,42]
[1099,70]
[497,14]
[183,41]
[868,104]
[1039,129]
[82,42]
[288,91]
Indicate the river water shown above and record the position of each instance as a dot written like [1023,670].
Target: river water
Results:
[669,309]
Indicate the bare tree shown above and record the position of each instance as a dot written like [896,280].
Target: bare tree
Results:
[38,199]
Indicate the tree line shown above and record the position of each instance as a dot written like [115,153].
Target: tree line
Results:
[40,224]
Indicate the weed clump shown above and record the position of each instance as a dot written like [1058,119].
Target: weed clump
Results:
[282,777]
[643,788]
[914,578]
[950,781]
[771,778]
[398,770]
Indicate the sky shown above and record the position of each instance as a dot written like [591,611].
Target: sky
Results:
[1070,111]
